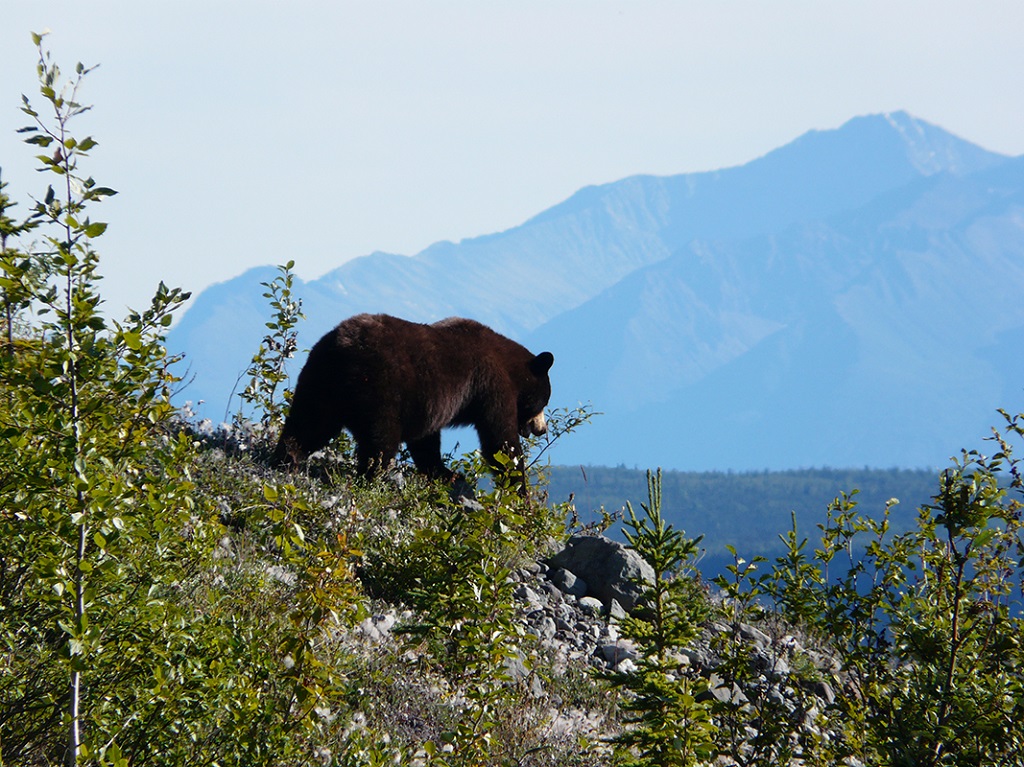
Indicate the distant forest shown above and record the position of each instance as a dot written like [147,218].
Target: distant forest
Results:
[748,510]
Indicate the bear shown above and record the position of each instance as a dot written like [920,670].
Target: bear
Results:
[388,381]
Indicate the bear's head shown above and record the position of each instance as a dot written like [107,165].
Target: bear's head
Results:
[534,396]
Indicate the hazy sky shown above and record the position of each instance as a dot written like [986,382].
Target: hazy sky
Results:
[248,133]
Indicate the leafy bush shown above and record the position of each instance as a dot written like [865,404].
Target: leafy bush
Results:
[128,633]
[267,371]
[86,476]
[924,626]
[927,623]
[769,715]
[452,562]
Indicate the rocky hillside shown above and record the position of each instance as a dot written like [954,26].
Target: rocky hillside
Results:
[579,634]
[809,665]
[568,613]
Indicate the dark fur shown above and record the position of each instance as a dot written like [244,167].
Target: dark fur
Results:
[390,381]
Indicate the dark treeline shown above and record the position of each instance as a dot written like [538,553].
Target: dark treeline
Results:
[748,510]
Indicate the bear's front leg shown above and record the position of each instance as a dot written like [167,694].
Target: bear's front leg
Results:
[426,454]
[506,442]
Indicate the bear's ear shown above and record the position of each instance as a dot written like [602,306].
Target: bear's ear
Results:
[542,363]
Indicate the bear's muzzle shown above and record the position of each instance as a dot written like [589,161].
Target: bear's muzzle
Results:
[536,426]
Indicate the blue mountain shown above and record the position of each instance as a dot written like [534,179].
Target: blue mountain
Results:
[791,311]
[884,336]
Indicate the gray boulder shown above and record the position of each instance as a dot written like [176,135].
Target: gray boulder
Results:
[608,567]
[568,583]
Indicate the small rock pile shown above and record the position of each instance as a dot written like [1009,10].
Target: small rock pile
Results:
[574,600]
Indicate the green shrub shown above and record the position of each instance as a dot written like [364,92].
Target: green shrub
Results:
[267,370]
[666,723]
[94,503]
[924,625]
[927,623]
[132,630]
[776,719]
[451,562]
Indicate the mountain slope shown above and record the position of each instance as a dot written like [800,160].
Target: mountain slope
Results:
[886,335]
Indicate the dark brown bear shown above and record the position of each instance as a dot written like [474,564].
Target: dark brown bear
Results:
[390,381]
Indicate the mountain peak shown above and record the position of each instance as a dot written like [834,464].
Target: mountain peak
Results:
[904,138]
[849,165]
[934,150]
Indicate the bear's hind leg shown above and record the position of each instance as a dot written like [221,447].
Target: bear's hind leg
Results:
[302,436]
[426,454]
[375,449]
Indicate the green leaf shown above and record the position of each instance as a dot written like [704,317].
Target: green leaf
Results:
[96,229]
[133,340]
[983,538]
[114,757]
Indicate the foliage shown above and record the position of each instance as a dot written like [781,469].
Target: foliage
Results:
[452,563]
[79,489]
[757,725]
[16,293]
[561,421]
[468,619]
[923,622]
[130,634]
[670,726]
[927,622]
[267,370]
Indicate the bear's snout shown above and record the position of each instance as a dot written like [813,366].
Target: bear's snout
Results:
[536,426]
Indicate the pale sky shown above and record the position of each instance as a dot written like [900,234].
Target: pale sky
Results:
[248,133]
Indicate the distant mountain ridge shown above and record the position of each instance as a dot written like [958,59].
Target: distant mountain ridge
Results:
[762,316]
[885,336]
